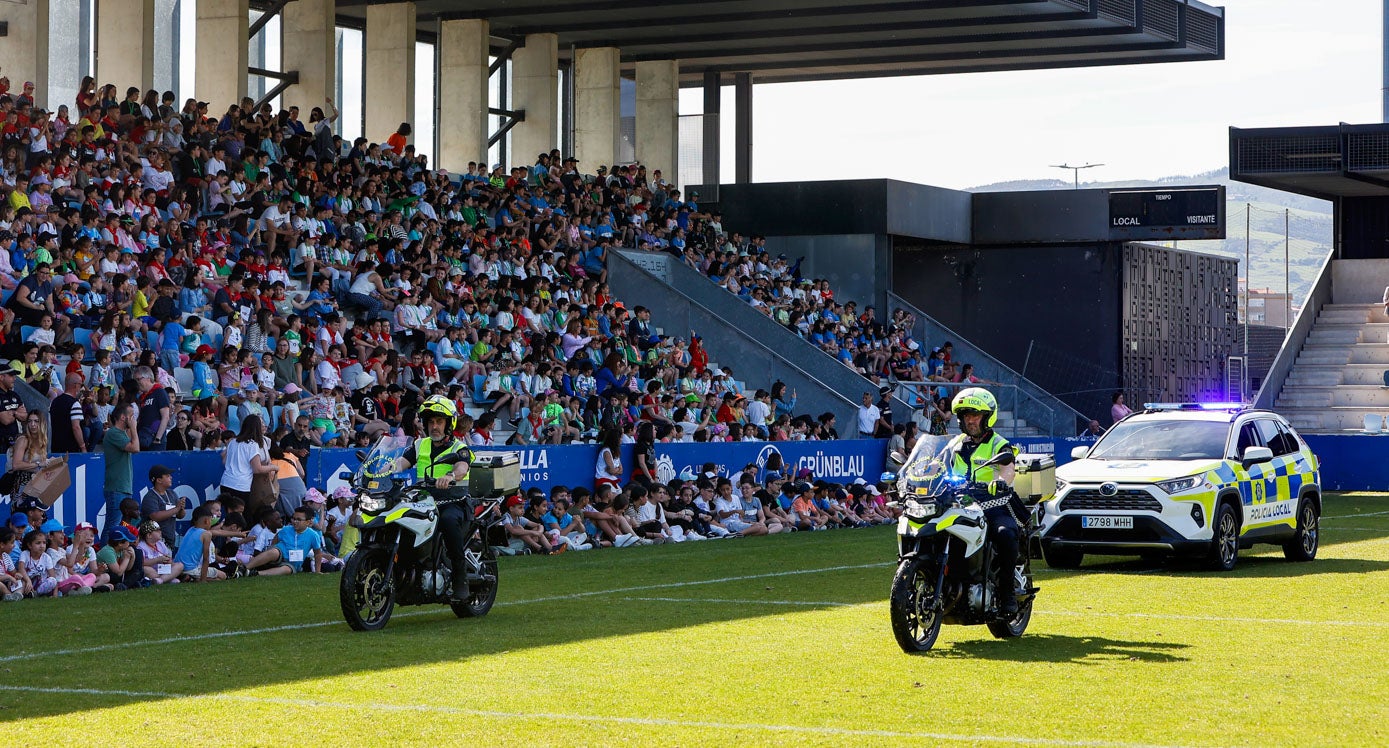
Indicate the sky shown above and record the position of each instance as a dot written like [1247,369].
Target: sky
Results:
[1287,62]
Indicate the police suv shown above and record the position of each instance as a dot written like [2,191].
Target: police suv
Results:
[1185,479]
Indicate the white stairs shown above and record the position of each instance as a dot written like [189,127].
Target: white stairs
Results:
[1338,377]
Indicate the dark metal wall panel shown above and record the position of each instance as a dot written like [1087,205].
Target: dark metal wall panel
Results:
[1363,228]
[1004,299]
[805,208]
[1042,216]
[1179,323]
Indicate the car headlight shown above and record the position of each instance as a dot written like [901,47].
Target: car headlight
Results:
[1061,485]
[368,503]
[1180,484]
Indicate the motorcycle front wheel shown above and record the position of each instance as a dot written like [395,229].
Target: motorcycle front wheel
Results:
[366,593]
[481,595]
[916,615]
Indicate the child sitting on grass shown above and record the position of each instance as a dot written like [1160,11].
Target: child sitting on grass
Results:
[11,582]
[39,570]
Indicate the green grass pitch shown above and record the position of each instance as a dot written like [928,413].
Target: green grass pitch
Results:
[781,640]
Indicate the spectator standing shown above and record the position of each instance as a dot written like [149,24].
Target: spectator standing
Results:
[11,408]
[161,505]
[156,410]
[883,429]
[67,417]
[868,417]
[117,445]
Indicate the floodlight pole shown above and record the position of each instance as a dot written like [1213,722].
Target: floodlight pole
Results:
[1076,169]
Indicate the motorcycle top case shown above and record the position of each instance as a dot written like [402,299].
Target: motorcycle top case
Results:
[494,473]
[1036,477]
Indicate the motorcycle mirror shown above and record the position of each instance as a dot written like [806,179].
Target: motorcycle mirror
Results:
[1002,458]
[896,456]
[361,455]
[344,475]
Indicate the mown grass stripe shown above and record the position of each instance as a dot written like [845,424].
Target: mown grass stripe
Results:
[591,718]
[320,624]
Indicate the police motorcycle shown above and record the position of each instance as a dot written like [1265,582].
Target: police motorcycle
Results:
[946,571]
[401,558]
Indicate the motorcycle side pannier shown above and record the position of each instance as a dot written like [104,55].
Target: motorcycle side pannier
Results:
[494,473]
[1036,477]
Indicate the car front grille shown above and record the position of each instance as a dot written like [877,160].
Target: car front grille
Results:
[1128,500]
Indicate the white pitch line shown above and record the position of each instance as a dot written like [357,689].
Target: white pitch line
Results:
[1037,611]
[320,624]
[1211,619]
[717,600]
[594,718]
[1348,516]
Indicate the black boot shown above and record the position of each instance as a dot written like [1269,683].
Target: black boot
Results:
[459,592]
[1007,600]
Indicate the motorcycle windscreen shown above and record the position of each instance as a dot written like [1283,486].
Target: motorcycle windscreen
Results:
[923,466]
[380,464]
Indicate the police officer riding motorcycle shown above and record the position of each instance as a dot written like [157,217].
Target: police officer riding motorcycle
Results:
[438,416]
[968,456]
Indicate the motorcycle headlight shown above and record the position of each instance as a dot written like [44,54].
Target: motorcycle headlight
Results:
[1180,484]
[919,510]
[368,503]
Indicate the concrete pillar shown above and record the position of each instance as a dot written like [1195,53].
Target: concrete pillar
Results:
[597,106]
[308,46]
[463,121]
[742,128]
[390,85]
[24,52]
[219,78]
[713,102]
[535,88]
[658,117]
[125,44]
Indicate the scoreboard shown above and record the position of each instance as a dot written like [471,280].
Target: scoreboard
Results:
[1199,207]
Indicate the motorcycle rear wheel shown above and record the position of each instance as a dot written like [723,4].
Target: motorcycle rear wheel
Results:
[482,595]
[916,615]
[366,594]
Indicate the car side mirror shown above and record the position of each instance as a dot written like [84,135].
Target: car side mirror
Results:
[1256,455]
[1079,453]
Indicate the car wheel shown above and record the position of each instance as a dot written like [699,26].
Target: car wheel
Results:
[1303,544]
[1060,558]
[1224,550]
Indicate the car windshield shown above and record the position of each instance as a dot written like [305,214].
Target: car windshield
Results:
[380,462]
[1163,440]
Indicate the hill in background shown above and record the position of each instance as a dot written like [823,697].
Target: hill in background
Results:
[1309,226]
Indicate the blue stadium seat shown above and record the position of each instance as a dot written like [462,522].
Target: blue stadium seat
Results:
[479,394]
[152,340]
[275,414]
[83,337]
[25,330]
[233,420]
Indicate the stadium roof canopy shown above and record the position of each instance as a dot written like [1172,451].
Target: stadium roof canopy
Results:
[803,40]
[1325,162]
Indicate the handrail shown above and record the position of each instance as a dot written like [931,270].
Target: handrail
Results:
[992,367]
[669,262]
[1282,366]
[918,387]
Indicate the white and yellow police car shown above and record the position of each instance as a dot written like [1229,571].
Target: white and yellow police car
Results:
[1185,479]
